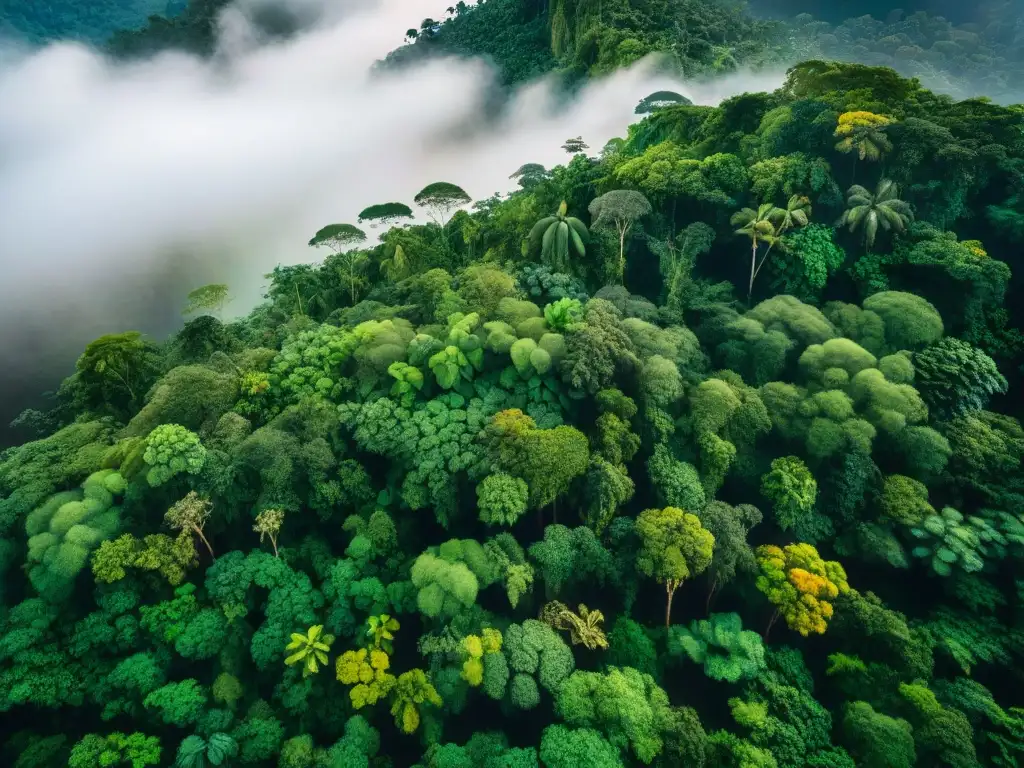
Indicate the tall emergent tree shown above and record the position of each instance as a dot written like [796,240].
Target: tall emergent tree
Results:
[384,213]
[268,523]
[796,214]
[439,199]
[619,209]
[117,364]
[529,175]
[207,297]
[674,547]
[660,100]
[575,145]
[340,238]
[191,514]
[767,225]
[759,226]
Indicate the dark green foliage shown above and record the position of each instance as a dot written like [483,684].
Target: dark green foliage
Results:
[629,645]
[115,371]
[136,750]
[809,257]
[544,286]
[877,740]
[39,24]
[953,377]
[384,213]
[727,651]
[660,100]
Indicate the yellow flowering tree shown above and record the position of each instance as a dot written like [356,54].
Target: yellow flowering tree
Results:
[474,648]
[412,690]
[863,133]
[367,672]
[800,584]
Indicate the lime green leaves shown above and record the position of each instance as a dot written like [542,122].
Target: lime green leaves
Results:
[408,381]
[309,649]
[463,353]
[381,629]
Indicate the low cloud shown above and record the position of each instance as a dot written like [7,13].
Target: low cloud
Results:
[123,186]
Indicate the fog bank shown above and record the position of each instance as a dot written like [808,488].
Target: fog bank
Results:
[123,186]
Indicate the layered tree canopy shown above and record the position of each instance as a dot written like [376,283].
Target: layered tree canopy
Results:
[552,479]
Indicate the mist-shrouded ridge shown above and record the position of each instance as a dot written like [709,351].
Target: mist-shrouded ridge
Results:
[122,186]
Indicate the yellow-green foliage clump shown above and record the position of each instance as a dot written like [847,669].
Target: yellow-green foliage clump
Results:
[68,527]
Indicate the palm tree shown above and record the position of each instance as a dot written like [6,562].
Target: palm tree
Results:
[759,226]
[397,265]
[870,211]
[558,236]
[796,214]
[863,133]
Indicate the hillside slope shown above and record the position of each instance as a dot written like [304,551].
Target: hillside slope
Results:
[93,22]
[704,451]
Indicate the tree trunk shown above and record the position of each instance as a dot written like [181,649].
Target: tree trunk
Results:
[753,260]
[622,254]
[763,260]
[199,530]
[670,589]
[273,540]
[711,595]
[771,624]
[124,380]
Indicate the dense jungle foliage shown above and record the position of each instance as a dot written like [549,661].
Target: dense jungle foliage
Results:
[701,451]
[38,21]
[577,38]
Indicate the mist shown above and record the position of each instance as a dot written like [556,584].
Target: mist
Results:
[124,186]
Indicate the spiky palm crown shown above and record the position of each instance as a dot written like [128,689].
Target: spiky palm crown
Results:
[870,211]
[758,225]
[311,649]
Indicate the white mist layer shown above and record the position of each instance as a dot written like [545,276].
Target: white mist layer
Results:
[124,185]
